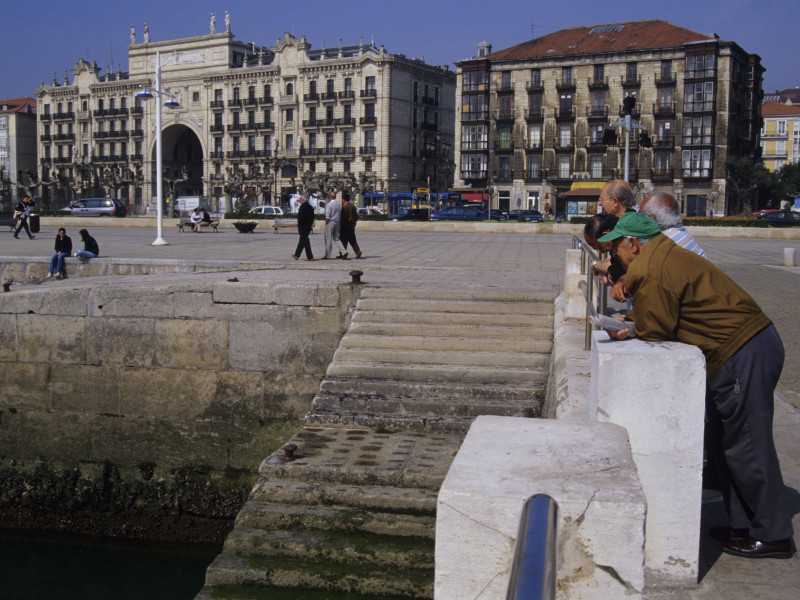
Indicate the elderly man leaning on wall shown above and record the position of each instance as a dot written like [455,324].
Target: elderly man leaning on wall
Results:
[678,295]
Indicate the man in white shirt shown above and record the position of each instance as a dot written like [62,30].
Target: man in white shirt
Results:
[667,213]
[333,213]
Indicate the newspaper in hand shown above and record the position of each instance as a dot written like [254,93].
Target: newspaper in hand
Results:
[604,322]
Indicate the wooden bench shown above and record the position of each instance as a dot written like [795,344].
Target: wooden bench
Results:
[286,224]
[190,224]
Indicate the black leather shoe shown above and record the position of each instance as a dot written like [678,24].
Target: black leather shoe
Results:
[750,548]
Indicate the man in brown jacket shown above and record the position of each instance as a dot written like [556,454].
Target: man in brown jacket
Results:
[677,295]
[347,226]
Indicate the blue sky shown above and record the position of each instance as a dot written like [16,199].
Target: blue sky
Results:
[49,36]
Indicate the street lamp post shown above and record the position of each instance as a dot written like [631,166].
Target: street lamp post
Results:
[630,124]
[149,92]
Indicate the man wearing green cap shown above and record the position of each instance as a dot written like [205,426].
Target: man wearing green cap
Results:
[678,295]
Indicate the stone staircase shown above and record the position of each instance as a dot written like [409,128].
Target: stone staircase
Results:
[353,513]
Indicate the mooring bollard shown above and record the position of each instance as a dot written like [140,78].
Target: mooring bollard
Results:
[788,257]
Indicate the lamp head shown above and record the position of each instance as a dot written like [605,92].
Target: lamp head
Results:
[144,94]
[172,104]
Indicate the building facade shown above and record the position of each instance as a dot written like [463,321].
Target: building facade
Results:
[533,118]
[17,145]
[269,114]
[780,134]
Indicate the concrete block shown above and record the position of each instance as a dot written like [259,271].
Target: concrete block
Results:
[50,338]
[136,301]
[24,384]
[195,305]
[65,302]
[69,391]
[576,302]
[306,295]
[586,467]
[120,341]
[243,293]
[191,343]
[8,337]
[656,390]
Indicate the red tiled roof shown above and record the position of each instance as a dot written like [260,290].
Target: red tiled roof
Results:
[776,109]
[603,38]
[18,105]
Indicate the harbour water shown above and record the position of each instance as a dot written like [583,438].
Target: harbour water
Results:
[46,567]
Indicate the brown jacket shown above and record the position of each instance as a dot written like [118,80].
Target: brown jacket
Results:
[349,216]
[678,295]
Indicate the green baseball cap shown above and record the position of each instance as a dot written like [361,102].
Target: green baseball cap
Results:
[632,224]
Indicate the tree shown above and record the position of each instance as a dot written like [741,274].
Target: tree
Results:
[751,184]
[789,176]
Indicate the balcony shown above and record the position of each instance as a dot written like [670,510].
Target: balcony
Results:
[45,161]
[45,137]
[664,142]
[347,95]
[428,100]
[110,158]
[246,154]
[250,101]
[235,102]
[635,113]
[265,100]
[266,126]
[663,176]
[250,126]
[480,115]
[594,143]
[311,123]
[477,174]
[566,114]
[429,127]
[598,84]
[218,155]
[44,117]
[367,150]
[371,93]
[664,109]
[217,104]
[368,120]
[563,85]
[137,110]
[345,121]
[698,107]
[473,146]
[137,133]
[631,82]
[696,174]
[503,148]
[110,112]
[64,137]
[534,115]
[100,135]
[534,86]
[136,157]
[664,80]
[536,174]
[534,147]
[597,112]
[505,88]
[508,114]
[329,96]
[61,116]
[287,99]
[564,145]
[312,97]
[64,160]
[217,128]
[236,127]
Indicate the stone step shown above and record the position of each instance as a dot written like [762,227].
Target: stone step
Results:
[453,318]
[448,358]
[391,423]
[530,407]
[461,294]
[381,551]
[362,326]
[435,373]
[382,389]
[343,519]
[229,571]
[372,498]
[454,306]
[361,456]
[401,341]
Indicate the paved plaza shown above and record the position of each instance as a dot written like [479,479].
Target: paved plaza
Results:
[459,261]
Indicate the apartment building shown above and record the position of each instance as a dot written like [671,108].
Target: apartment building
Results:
[780,134]
[269,113]
[533,118]
[17,144]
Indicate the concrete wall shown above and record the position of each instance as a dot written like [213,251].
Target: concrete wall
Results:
[149,379]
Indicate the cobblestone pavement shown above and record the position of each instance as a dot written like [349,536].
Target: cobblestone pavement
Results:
[510,262]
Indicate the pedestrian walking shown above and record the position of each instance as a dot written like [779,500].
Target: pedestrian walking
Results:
[347,228]
[333,214]
[305,223]
[22,212]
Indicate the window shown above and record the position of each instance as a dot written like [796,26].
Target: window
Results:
[663,130]
[329,86]
[565,104]
[535,103]
[696,163]
[312,89]
[700,65]
[369,139]
[346,168]
[236,94]
[536,76]
[565,136]
[235,141]
[329,114]
[566,74]
[596,167]
[251,143]
[289,89]
[597,133]
[268,144]
[348,84]
[631,72]
[289,141]
[368,165]
[599,73]
[267,116]
[251,118]
[474,107]
[267,92]
[195,97]
[666,69]
[312,141]
[218,95]
[505,103]
[534,167]
[474,137]
[218,145]
[697,130]
[473,166]
[288,115]
[780,147]
[564,167]
[535,136]
[348,140]
[348,113]
[474,81]
[369,111]
[504,137]
[781,127]
[598,102]
[503,168]
[329,141]
[663,163]
[698,96]
[235,119]
[505,79]
[369,83]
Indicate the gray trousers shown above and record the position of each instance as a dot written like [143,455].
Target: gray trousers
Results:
[739,410]
[332,237]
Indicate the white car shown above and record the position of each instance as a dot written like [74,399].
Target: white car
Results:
[374,211]
[266,210]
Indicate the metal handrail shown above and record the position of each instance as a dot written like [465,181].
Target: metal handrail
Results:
[589,254]
[533,569]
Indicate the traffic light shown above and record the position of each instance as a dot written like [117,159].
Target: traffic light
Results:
[644,140]
[609,137]
[628,104]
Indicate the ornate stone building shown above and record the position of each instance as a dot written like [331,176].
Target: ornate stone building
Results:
[532,117]
[17,145]
[271,112]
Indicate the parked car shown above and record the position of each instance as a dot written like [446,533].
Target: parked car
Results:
[267,210]
[461,213]
[96,207]
[532,215]
[370,211]
[412,214]
[783,218]
[763,213]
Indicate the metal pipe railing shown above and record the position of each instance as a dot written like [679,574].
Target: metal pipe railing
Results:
[533,569]
[596,302]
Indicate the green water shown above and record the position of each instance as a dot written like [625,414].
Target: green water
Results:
[34,567]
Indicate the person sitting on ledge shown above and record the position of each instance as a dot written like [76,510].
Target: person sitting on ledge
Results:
[90,247]
[678,295]
[63,248]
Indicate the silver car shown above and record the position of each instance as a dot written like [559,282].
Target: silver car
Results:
[96,207]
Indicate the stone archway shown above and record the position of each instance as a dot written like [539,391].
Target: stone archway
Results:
[182,158]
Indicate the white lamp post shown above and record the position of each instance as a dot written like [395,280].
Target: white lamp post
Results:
[149,92]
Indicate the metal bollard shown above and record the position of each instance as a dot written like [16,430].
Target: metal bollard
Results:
[788,257]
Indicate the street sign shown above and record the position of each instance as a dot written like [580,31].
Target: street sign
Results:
[422,190]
